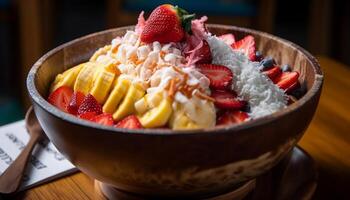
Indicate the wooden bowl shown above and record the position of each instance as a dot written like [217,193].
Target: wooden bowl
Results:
[175,163]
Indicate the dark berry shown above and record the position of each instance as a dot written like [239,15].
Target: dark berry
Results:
[299,92]
[266,63]
[291,99]
[286,68]
[246,108]
[258,56]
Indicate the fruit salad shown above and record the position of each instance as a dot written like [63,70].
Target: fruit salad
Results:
[171,72]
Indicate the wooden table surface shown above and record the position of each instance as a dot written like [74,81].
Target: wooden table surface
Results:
[327,140]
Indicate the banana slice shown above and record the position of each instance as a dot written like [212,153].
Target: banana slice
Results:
[201,112]
[85,79]
[100,51]
[56,83]
[102,84]
[67,78]
[117,94]
[148,102]
[193,115]
[127,107]
[179,121]
[157,116]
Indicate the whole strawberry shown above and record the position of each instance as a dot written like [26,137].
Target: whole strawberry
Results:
[167,23]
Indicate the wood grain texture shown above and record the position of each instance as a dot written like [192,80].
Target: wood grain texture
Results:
[328,136]
[320,27]
[30,49]
[327,140]
[35,35]
[266,15]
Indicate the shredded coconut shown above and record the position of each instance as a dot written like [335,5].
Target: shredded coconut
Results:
[250,84]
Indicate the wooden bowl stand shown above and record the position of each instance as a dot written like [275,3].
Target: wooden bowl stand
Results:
[295,177]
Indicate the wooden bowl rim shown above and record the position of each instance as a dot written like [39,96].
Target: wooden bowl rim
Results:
[38,99]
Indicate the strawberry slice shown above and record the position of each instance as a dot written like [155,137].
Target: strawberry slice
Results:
[291,88]
[90,104]
[228,38]
[247,45]
[61,97]
[104,119]
[287,80]
[130,122]
[273,72]
[232,117]
[87,115]
[227,100]
[75,102]
[220,76]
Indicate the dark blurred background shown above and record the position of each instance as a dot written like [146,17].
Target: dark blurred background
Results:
[29,28]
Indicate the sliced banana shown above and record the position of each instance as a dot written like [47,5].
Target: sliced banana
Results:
[193,115]
[85,79]
[179,121]
[135,92]
[116,95]
[157,116]
[102,84]
[67,78]
[148,102]
[100,51]
[201,112]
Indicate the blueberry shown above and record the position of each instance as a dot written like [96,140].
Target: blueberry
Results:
[246,108]
[258,56]
[299,92]
[286,68]
[266,63]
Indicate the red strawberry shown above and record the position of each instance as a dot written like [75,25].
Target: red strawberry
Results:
[228,38]
[287,80]
[292,87]
[87,115]
[167,23]
[227,100]
[232,117]
[130,122]
[75,102]
[220,76]
[90,104]
[273,73]
[203,54]
[61,97]
[246,44]
[104,119]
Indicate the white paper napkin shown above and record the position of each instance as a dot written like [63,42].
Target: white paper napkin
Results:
[45,164]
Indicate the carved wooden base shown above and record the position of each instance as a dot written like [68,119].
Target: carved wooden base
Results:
[238,194]
[295,177]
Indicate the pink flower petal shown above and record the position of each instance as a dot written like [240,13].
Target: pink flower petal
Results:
[140,23]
